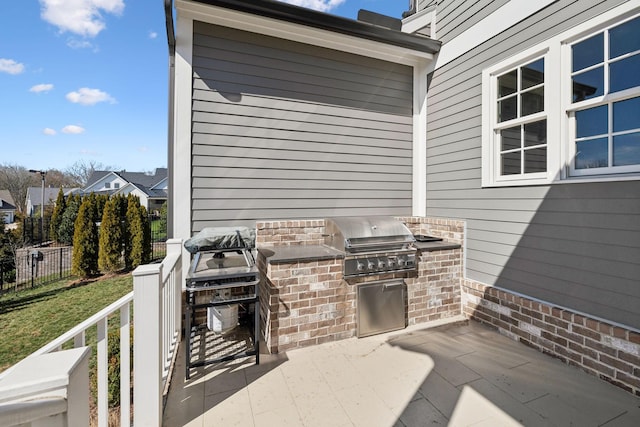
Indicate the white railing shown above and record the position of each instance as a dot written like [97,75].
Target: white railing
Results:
[158,315]
[157,308]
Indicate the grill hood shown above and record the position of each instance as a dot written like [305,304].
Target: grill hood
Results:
[367,234]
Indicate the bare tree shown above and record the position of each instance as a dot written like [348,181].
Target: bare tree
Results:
[82,170]
[57,179]
[16,179]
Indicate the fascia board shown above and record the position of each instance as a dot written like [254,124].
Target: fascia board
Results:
[300,33]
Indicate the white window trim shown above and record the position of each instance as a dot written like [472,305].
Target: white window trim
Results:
[557,67]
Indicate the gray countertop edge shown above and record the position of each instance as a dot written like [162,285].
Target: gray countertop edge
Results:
[306,253]
[436,246]
[299,253]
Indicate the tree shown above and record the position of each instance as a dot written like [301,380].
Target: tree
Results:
[110,251]
[56,216]
[82,170]
[84,261]
[162,226]
[16,179]
[139,251]
[132,227]
[67,221]
[146,235]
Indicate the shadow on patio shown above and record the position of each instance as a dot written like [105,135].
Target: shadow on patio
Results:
[459,375]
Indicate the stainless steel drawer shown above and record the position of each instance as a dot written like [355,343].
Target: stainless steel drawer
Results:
[380,307]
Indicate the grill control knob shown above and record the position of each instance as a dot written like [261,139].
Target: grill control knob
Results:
[360,266]
[402,262]
[371,265]
[380,264]
[391,263]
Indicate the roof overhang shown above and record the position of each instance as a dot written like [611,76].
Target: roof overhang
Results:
[282,20]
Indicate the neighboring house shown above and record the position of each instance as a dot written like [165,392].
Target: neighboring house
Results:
[34,198]
[518,117]
[7,207]
[151,189]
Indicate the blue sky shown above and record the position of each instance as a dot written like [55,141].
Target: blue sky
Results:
[86,80]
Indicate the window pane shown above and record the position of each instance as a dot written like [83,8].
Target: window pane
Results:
[510,163]
[510,138]
[625,74]
[507,109]
[588,52]
[624,38]
[626,115]
[592,154]
[535,160]
[507,83]
[588,85]
[533,74]
[626,149]
[532,101]
[592,122]
[535,134]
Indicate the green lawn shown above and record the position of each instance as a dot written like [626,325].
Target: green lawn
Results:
[31,318]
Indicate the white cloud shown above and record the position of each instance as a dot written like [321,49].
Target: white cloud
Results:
[43,87]
[10,66]
[73,129]
[153,34]
[74,43]
[320,5]
[49,131]
[82,17]
[88,96]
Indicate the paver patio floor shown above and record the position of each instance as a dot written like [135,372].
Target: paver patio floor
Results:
[462,374]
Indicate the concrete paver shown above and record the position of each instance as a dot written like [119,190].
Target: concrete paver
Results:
[462,374]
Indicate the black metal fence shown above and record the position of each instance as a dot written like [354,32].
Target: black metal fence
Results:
[33,232]
[36,266]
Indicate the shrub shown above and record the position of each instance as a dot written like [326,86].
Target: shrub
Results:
[110,249]
[56,216]
[136,233]
[67,221]
[84,261]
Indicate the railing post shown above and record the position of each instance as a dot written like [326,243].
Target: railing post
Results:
[174,246]
[147,342]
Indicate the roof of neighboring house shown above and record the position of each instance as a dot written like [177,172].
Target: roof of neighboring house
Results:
[308,17]
[6,201]
[35,195]
[141,180]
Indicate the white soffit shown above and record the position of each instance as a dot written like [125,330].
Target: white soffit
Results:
[503,18]
[299,33]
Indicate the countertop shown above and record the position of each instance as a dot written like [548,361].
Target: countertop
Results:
[284,254]
[436,246]
[300,253]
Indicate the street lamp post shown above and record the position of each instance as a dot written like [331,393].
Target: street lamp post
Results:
[42,174]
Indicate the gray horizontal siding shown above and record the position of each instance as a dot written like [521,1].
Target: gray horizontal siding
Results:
[455,16]
[575,245]
[281,130]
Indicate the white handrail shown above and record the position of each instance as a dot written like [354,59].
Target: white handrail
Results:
[158,314]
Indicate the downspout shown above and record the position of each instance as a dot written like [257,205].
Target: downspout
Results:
[171,39]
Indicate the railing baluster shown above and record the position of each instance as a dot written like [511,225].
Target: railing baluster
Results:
[103,392]
[125,366]
[79,340]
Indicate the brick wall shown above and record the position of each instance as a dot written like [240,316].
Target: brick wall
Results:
[450,230]
[289,233]
[601,349]
[306,303]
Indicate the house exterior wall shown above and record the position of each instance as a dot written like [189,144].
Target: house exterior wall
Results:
[286,130]
[574,245]
[454,16]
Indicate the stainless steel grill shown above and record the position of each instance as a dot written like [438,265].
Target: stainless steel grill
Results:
[372,245]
